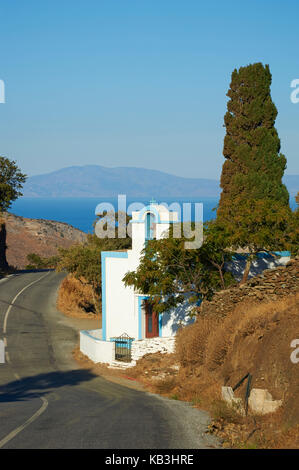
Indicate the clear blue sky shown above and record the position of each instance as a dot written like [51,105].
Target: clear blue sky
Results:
[137,83]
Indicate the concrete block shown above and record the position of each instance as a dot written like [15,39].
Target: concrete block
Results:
[261,401]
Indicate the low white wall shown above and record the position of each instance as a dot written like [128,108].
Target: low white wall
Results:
[93,347]
[104,351]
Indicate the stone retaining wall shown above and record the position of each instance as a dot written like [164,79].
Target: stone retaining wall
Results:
[271,285]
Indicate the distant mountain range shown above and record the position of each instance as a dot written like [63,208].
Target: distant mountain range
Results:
[99,181]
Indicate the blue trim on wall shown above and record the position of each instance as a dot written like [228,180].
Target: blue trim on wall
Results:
[104,255]
[282,253]
[160,325]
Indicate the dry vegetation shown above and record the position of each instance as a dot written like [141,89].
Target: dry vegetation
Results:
[76,298]
[214,352]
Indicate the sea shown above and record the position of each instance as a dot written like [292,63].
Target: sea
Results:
[80,212]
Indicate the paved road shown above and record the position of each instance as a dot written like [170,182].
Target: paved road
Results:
[48,402]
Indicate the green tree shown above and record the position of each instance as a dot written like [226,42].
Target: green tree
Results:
[37,262]
[215,251]
[254,210]
[294,229]
[169,274]
[83,261]
[11,182]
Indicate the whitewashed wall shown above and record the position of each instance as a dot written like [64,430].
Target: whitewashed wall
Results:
[237,266]
[121,302]
[175,318]
[93,347]
[120,314]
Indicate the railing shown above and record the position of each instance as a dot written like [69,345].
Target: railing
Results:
[123,345]
[247,393]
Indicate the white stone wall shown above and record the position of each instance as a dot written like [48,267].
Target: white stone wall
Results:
[152,345]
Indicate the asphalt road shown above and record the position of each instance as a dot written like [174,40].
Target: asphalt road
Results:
[48,402]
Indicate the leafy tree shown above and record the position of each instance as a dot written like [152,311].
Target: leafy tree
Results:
[294,229]
[11,181]
[254,210]
[215,251]
[84,261]
[169,274]
[37,262]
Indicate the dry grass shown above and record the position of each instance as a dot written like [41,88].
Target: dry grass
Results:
[76,299]
[254,338]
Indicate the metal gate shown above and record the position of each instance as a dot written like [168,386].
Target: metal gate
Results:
[123,348]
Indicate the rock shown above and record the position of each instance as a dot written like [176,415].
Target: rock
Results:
[261,402]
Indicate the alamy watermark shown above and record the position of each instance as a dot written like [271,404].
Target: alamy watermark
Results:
[295,354]
[180,216]
[2,92]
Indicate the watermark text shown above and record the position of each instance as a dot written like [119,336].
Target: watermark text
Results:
[295,93]
[2,92]
[157,221]
[295,354]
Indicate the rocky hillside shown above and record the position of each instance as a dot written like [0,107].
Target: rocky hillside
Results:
[39,236]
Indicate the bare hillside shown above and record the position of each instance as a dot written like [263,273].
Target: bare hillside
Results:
[24,236]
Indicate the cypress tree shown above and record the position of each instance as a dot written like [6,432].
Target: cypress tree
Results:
[254,203]
[254,165]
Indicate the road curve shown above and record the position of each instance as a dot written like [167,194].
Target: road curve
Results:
[48,402]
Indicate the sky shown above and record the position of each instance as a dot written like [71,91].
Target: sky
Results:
[138,83]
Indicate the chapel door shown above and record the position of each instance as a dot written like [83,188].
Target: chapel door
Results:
[151,321]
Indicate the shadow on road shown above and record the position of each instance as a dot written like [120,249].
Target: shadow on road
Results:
[39,385]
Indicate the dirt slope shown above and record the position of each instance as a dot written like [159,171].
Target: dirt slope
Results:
[24,236]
